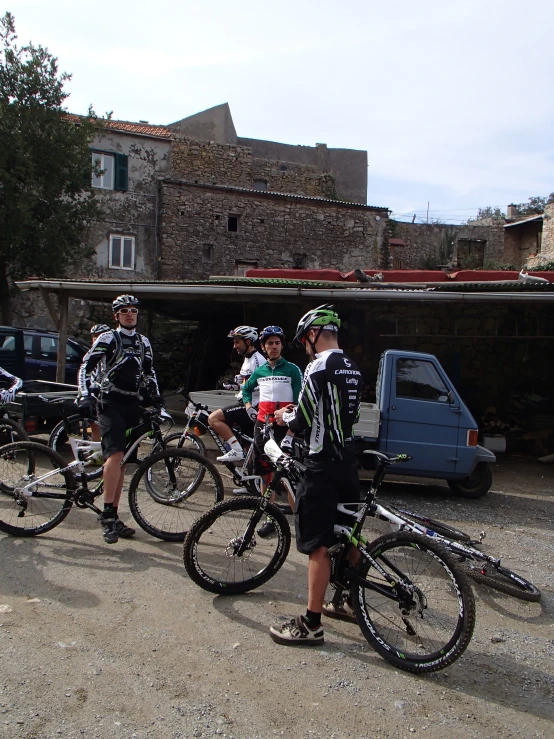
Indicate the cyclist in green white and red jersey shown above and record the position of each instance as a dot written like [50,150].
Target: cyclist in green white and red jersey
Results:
[279,383]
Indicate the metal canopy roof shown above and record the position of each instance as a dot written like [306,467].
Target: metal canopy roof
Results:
[264,289]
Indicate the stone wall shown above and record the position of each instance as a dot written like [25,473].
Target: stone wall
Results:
[299,179]
[272,230]
[210,163]
[429,245]
[521,243]
[547,241]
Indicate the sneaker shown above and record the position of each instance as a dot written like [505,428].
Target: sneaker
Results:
[231,456]
[267,528]
[109,530]
[342,612]
[123,531]
[297,631]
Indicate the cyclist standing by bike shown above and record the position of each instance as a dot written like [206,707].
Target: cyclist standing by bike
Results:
[278,383]
[221,420]
[328,407]
[113,371]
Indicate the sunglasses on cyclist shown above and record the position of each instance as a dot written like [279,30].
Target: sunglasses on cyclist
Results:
[128,310]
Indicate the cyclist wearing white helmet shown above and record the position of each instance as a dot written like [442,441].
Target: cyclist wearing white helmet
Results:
[221,420]
[117,366]
[328,407]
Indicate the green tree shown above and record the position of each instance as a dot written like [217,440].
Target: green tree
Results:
[46,199]
[488,212]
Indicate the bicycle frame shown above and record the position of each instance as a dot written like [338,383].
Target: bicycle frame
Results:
[239,475]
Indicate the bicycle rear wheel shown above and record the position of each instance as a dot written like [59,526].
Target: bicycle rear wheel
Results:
[444,529]
[11,431]
[504,580]
[23,463]
[429,622]
[165,496]
[74,427]
[211,549]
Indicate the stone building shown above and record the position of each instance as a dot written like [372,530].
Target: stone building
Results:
[194,197]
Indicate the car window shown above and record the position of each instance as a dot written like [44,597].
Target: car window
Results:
[48,347]
[7,343]
[72,354]
[28,345]
[420,380]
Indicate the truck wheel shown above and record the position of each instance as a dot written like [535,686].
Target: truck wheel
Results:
[474,486]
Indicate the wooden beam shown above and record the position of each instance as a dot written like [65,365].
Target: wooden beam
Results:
[62,336]
[50,307]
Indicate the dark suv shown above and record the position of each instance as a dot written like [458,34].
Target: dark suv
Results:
[32,354]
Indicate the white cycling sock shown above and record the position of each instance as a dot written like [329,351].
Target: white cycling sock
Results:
[234,444]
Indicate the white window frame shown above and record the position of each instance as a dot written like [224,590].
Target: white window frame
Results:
[123,237]
[107,182]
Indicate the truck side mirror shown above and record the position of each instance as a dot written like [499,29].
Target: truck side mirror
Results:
[450,397]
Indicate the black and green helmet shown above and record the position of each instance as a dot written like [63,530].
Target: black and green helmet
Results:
[324,317]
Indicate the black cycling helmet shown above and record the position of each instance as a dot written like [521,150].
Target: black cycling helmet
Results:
[99,328]
[272,331]
[323,318]
[123,301]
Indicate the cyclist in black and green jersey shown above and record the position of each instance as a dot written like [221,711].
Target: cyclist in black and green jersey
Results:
[328,407]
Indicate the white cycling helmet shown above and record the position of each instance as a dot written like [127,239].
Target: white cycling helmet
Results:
[99,328]
[123,300]
[244,332]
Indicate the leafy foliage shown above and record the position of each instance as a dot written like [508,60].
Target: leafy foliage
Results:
[46,199]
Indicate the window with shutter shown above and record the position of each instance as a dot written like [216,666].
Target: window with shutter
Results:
[121,172]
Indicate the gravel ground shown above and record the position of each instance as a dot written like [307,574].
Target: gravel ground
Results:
[115,641]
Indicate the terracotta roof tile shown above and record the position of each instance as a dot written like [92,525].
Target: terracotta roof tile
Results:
[141,129]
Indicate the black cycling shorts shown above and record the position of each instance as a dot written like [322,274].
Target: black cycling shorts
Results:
[115,416]
[236,415]
[325,484]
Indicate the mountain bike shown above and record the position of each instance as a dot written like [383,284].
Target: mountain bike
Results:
[38,487]
[481,567]
[414,605]
[197,426]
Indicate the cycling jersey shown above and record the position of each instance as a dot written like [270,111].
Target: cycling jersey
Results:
[250,364]
[278,386]
[9,385]
[119,361]
[329,404]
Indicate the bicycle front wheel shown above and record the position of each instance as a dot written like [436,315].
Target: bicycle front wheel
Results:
[421,618]
[29,511]
[165,496]
[190,442]
[504,580]
[223,553]
[11,431]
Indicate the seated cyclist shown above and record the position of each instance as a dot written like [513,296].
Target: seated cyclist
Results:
[114,370]
[9,385]
[221,420]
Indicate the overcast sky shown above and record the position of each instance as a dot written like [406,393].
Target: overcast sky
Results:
[452,101]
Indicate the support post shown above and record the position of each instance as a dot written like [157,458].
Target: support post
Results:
[50,307]
[62,337]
